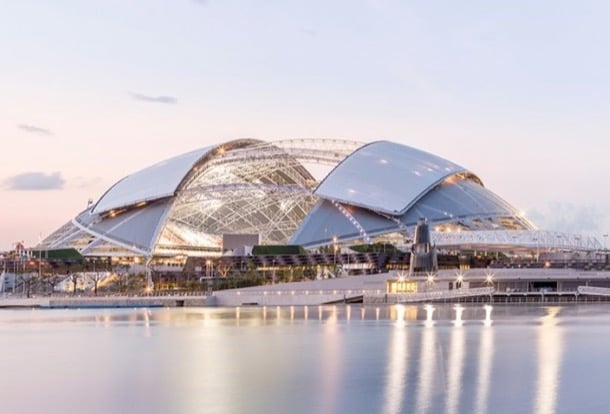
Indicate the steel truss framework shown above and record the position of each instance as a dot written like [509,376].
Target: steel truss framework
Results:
[254,187]
[244,186]
[248,188]
[530,239]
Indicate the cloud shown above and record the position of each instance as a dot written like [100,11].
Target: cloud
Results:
[33,181]
[570,218]
[34,129]
[201,2]
[158,99]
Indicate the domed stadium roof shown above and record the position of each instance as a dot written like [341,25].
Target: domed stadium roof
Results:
[189,203]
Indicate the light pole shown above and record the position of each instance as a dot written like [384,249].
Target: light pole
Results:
[489,278]
[459,280]
[335,251]
[208,268]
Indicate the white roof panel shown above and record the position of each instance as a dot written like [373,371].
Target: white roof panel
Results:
[385,177]
[154,182]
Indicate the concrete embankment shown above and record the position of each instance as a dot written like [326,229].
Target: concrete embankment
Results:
[106,302]
[312,292]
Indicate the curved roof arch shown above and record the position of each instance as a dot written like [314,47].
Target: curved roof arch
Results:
[152,183]
[162,179]
[387,177]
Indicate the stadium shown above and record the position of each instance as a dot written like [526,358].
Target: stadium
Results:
[306,192]
[249,213]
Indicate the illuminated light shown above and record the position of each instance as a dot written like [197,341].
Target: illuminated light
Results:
[307,292]
[292,293]
[306,312]
[279,293]
[383,161]
[417,173]
[141,204]
[238,293]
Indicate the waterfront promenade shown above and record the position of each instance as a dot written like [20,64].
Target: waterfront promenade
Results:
[505,285]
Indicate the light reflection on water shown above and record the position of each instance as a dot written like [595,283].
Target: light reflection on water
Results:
[484,363]
[396,368]
[549,362]
[298,359]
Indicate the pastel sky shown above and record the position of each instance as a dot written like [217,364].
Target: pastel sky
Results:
[518,92]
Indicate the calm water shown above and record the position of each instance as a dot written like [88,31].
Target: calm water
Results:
[336,359]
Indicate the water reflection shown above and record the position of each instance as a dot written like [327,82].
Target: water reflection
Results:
[456,363]
[550,340]
[459,311]
[396,370]
[487,321]
[485,363]
[390,359]
[331,364]
[427,363]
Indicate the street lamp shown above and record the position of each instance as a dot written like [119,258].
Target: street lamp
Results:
[429,280]
[459,280]
[208,268]
[489,278]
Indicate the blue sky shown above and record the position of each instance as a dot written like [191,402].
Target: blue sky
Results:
[518,92]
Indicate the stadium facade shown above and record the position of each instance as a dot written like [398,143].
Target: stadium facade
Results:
[187,205]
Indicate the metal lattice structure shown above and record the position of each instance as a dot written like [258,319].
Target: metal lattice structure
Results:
[506,239]
[310,192]
[241,187]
